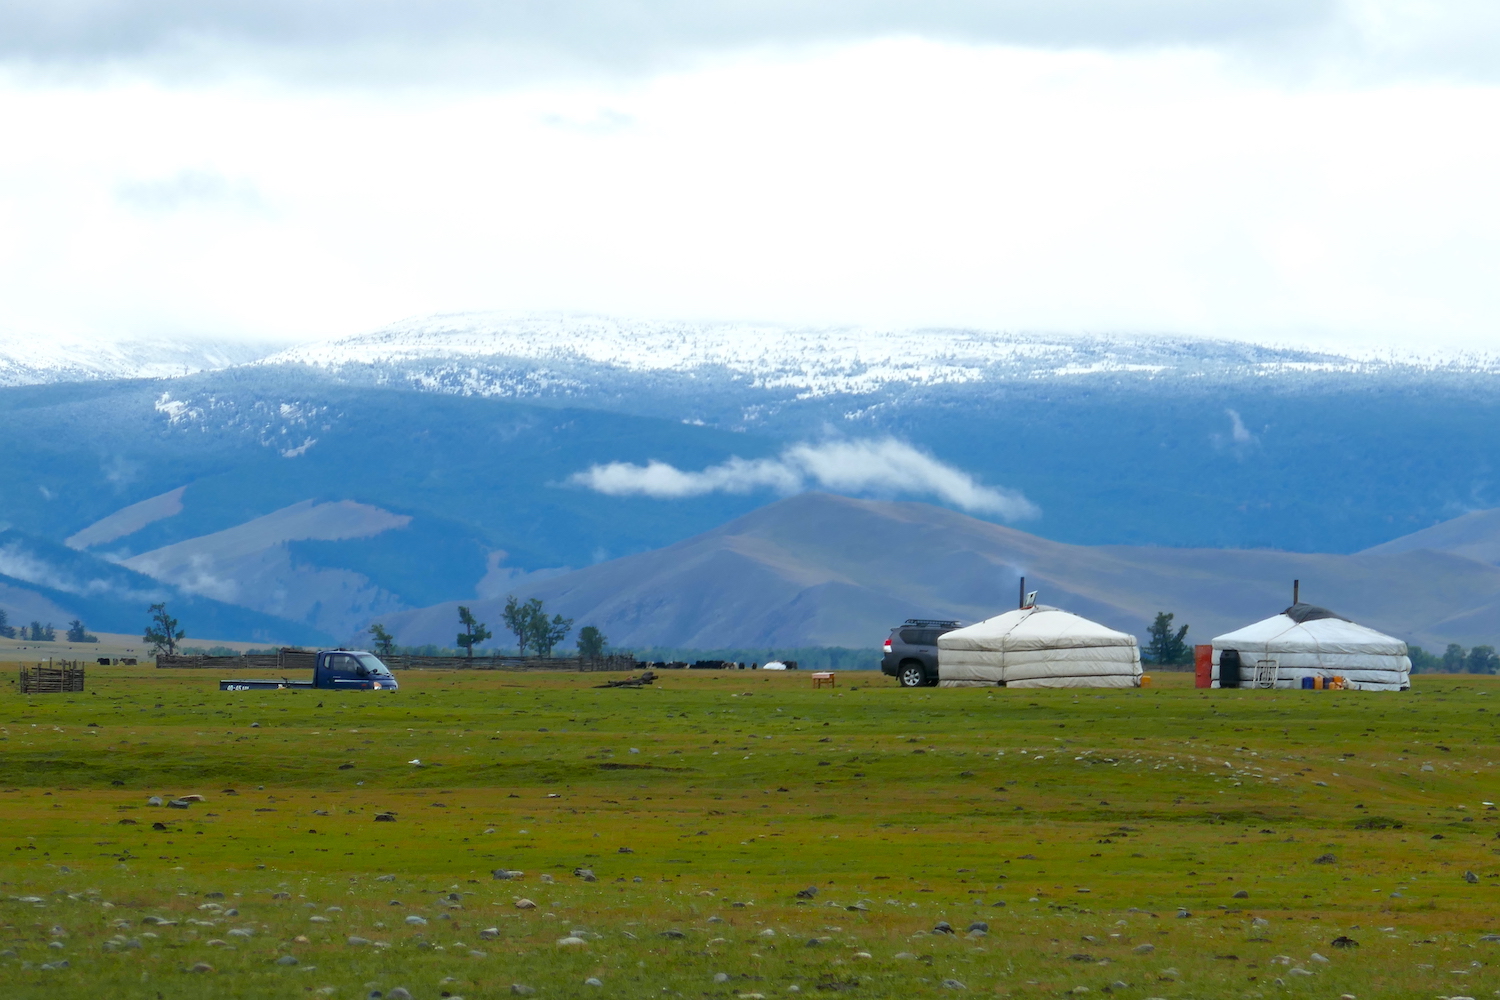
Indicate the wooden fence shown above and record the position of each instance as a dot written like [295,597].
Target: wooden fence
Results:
[296,659]
[52,679]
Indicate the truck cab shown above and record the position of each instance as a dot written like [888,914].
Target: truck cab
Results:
[352,670]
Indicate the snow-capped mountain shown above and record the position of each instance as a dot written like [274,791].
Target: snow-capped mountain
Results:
[45,360]
[477,353]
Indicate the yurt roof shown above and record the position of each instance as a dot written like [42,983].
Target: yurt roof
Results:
[1038,627]
[1308,628]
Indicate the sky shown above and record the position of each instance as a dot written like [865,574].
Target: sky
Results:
[1316,172]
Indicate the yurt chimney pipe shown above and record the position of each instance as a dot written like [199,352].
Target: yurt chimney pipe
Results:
[1021,598]
[1296,588]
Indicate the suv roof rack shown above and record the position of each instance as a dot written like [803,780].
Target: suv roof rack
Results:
[931,623]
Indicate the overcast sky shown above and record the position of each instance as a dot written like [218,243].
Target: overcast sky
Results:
[1283,170]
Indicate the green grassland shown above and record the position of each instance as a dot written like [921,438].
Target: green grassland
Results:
[1160,842]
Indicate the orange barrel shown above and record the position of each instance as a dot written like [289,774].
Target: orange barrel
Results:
[1203,666]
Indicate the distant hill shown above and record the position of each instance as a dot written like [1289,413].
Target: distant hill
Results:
[823,570]
[461,438]
[1475,535]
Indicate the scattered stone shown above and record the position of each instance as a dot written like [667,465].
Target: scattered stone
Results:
[476,953]
[1242,894]
[154,800]
[399,993]
[768,932]
[592,981]
[417,921]
[1298,971]
[674,934]
[570,941]
[904,956]
[1317,958]
[1471,878]
[1344,942]
[587,874]
[287,960]
[862,955]
[1144,949]
[490,933]
[505,874]
[356,941]
[807,893]
[979,925]
[522,991]
[626,850]
[1184,914]
[525,904]
[1491,938]
[385,878]
[201,967]
[942,927]
[1325,859]
[813,942]
[953,984]
[721,977]
[158,826]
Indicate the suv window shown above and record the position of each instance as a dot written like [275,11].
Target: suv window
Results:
[919,636]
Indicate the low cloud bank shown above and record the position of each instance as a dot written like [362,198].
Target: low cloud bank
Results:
[885,466]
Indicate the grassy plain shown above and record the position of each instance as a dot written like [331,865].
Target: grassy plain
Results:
[1079,826]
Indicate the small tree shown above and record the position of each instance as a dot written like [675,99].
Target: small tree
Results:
[520,620]
[1167,647]
[41,633]
[1482,660]
[550,633]
[591,643]
[162,633]
[385,643]
[77,633]
[1454,659]
[474,631]
[7,630]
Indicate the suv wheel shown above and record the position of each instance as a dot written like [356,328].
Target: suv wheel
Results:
[912,675]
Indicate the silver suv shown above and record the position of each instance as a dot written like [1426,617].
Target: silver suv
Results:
[911,651]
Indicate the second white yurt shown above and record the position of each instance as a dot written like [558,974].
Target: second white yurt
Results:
[1038,647]
[1306,641]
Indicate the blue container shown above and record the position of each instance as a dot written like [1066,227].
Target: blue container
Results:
[1307,683]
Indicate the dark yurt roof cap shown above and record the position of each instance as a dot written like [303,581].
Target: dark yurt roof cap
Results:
[1304,613]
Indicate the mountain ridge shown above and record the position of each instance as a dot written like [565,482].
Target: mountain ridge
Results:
[823,570]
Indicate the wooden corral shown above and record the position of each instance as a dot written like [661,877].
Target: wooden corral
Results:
[46,678]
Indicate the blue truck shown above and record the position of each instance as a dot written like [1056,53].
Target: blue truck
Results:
[333,669]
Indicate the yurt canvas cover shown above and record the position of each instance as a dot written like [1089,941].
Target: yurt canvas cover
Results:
[1038,647]
[1309,641]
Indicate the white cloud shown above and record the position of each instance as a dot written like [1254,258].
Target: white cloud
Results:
[882,467]
[1238,431]
[909,182]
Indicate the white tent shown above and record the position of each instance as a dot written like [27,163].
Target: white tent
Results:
[1309,641]
[1038,647]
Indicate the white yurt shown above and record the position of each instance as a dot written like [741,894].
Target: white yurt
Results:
[1038,647]
[1309,641]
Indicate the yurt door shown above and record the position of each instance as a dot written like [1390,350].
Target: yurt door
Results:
[1229,668]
